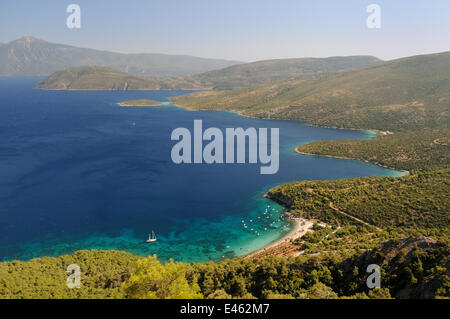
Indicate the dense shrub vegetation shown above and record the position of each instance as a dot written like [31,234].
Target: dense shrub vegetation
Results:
[416,150]
[102,273]
[153,280]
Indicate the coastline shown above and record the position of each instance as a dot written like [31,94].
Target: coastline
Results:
[283,246]
[228,110]
[374,132]
[404,172]
[299,226]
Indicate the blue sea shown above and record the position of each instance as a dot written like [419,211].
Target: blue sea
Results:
[79,172]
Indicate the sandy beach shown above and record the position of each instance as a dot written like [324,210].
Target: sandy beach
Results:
[284,246]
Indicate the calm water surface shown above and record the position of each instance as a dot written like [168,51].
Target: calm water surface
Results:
[78,172]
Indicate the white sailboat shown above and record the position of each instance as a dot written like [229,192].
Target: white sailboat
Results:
[151,237]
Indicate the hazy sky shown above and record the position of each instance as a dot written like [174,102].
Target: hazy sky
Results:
[245,30]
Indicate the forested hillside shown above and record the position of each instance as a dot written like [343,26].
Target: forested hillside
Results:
[411,268]
[103,273]
[423,149]
[416,204]
[399,95]
[271,71]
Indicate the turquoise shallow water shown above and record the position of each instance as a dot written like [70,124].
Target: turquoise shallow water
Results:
[78,172]
[204,240]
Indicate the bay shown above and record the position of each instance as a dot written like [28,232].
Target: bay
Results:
[79,172]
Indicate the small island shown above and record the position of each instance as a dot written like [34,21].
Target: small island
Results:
[142,102]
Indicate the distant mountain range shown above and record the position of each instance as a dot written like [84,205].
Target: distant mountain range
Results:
[236,76]
[29,56]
